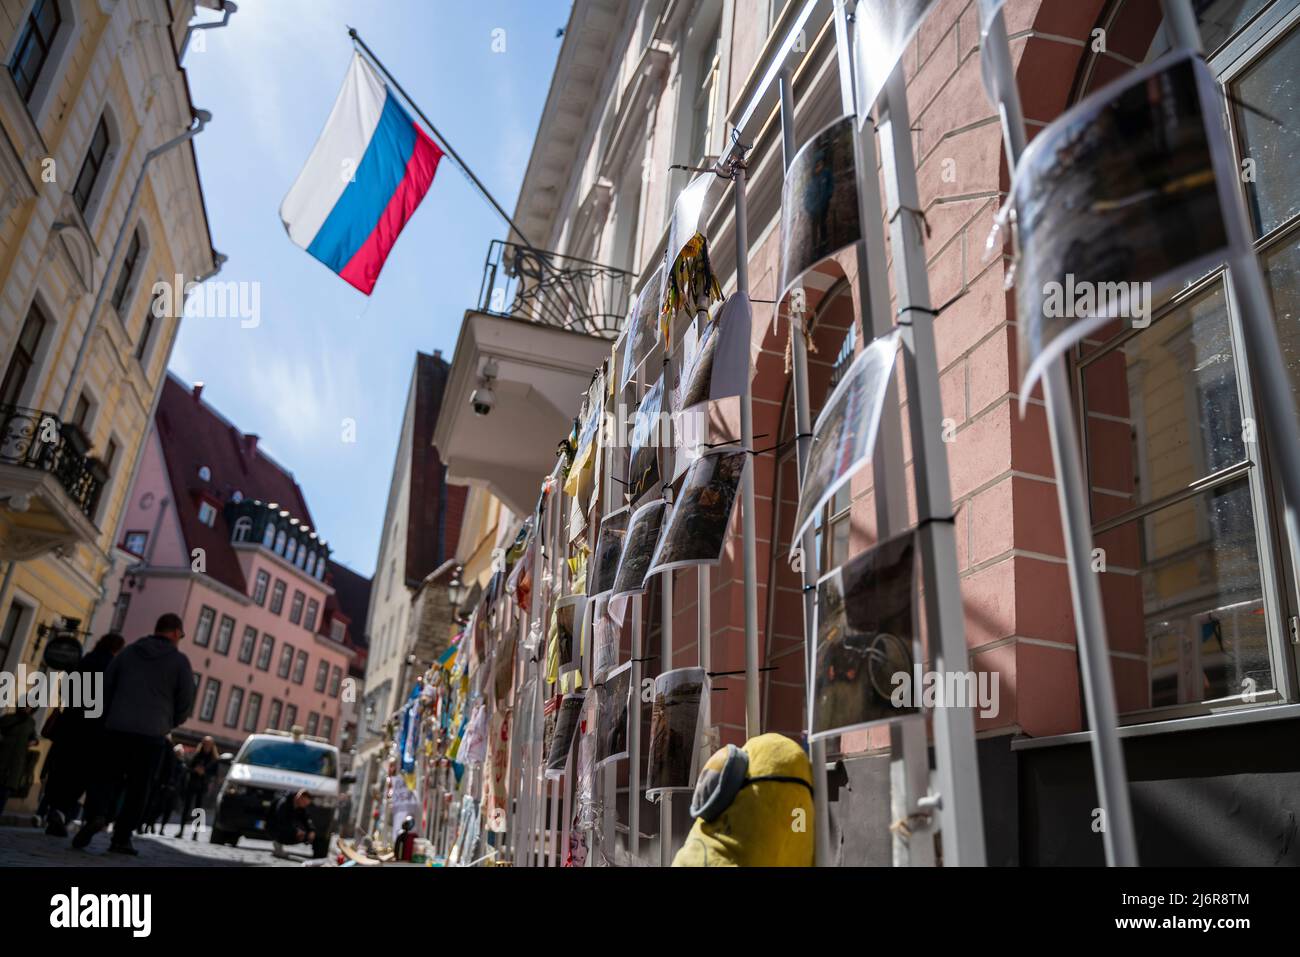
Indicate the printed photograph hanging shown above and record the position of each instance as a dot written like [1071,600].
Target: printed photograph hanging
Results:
[642,327]
[609,546]
[697,527]
[1115,202]
[527,707]
[688,280]
[718,365]
[613,698]
[643,450]
[639,548]
[550,716]
[882,29]
[819,203]
[845,433]
[675,730]
[567,720]
[865,627]
[568,631]
[605,640]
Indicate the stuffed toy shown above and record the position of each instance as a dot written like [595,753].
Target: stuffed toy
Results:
[753,807]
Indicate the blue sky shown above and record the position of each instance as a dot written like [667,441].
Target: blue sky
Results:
[323,352]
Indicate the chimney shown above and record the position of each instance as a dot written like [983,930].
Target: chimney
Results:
[250,445]
[197,391]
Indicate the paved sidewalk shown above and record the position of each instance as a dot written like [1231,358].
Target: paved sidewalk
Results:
[31,847]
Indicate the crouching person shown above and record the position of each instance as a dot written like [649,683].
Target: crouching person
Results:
[291,822]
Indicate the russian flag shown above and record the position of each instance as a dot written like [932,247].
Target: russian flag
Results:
[366,175]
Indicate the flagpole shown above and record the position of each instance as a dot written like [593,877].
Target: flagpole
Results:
[442,140]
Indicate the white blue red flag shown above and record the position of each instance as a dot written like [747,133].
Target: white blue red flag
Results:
[363,180]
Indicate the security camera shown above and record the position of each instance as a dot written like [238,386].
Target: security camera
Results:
[483,400]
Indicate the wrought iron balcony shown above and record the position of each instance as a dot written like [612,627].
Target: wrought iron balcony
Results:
[554,290]
[37,440]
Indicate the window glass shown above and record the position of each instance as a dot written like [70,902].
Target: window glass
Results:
[300,668]
[264,653]
[23,358]
[259,587]
[233,706]
[254,713]
[34,46]
[286,661]
[1268,129]
[203,632]
[1162,408]
[224,635]
[296,606]
[1187,578]
[277,596]
[322,675]
[273,716]
[127,271]
[1281,263]
[247,643]
[210,695]
[92,165]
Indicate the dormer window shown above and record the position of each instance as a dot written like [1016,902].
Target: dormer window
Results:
[290,549]
[279,542]
[207,514]
[268,536]
[243,529]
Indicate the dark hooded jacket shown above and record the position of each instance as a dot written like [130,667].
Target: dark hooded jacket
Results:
[149,688]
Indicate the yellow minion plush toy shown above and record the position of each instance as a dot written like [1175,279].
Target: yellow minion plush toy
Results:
[753,807]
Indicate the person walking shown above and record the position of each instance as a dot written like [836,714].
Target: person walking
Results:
[202,769]
[17,731]
[149,690]
[74,756]
[166,790]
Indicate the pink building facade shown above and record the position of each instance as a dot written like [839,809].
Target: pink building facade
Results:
[220,534]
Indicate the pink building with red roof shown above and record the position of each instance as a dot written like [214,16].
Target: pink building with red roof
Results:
[221,535]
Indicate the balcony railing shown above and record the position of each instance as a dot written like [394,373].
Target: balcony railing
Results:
[33,439]
[554,290]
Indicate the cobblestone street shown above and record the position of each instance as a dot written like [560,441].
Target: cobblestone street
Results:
[31,847]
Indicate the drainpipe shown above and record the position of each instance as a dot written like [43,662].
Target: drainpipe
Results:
[227,8]
[219,260]
[201,120]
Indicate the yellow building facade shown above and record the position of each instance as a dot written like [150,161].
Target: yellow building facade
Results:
[100,200]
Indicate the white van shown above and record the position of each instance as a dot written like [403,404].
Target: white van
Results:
[268,766]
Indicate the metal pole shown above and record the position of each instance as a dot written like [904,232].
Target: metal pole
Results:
[666,664]
[823,856]
[954,727]
[1073,499]
[909,752]
[753,724]
[634,738]
[703,649]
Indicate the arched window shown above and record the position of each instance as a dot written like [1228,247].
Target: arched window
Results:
[279,542]
[290,549]
[302,557]
[268,535]
[36,60]
[243,529]
[95,173]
